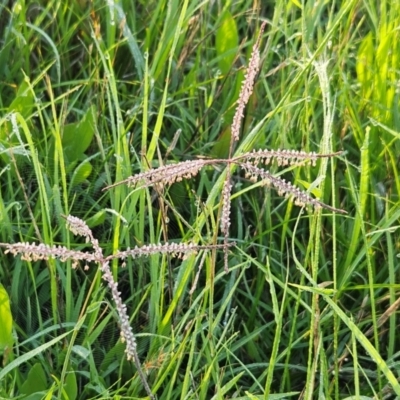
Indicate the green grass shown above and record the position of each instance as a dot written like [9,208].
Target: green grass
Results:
[92,93]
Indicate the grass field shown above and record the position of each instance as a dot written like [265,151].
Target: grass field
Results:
[94,92]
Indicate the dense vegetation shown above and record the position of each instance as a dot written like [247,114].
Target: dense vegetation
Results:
[92,93]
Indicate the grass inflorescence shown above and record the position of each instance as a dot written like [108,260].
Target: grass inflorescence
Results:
[137,124]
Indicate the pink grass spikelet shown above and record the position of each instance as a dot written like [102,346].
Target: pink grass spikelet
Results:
[247,87]
[167,174]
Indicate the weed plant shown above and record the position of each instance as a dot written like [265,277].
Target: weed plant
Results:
[261,299]
[169,174]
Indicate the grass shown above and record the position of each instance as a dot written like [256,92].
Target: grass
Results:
[91,95]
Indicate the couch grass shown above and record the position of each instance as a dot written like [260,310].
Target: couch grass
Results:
[92,93]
